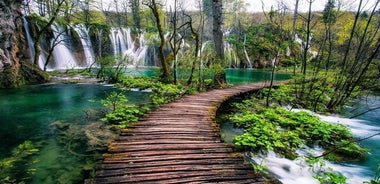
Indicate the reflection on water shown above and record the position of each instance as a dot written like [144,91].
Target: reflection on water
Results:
[241,76]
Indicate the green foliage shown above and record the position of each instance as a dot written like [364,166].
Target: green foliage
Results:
[38,20]
[324,174]
[121,113]
[318,93]
[95,18]
[328,177]
[260,169]
[10,168]
[285,131]
[348,150]
[164,93]
[111,68]
[329,14]
[115,100]
[141,83]
[283,95]
[262,41]
[262,133]
[124,115]
[161,92]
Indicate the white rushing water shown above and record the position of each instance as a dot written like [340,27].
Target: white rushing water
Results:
[297,171]
[286,170]
[85,39]
[63,57]
[125,49]
[29,38]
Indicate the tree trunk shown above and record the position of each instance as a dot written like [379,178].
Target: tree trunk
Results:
[306,50]
[217,14]
[195,36]
[165,73]
[44,29]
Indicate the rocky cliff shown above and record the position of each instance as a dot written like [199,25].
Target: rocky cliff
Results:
[14,69]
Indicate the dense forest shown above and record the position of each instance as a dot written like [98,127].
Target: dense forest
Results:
[332,47]
[332,55]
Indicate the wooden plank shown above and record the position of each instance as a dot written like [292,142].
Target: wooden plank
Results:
[178,143]
[215,175]
[122,164]
[171,168]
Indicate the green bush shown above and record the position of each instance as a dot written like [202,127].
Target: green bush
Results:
[285,131]
[121,112]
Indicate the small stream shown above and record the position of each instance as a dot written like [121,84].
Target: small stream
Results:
[297,171]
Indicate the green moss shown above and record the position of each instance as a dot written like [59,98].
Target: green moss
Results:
[10,77]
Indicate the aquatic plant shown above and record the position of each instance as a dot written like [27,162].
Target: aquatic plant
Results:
[14,169]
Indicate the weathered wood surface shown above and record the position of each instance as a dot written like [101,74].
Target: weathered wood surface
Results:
[178,143]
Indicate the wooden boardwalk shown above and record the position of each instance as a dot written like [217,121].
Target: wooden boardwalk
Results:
[178,143]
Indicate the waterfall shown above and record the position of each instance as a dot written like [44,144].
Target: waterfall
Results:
[118,41]
[129,40]
[29,38]
[230,54]
[141,52]
[63,57]
[84,37]
[125,48]
[42,60]
[99,38]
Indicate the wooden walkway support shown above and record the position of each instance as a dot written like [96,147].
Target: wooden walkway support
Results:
[179,143]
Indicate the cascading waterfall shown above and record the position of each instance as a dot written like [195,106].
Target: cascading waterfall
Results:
[141,52]
[129,40]
[118,41]
[63,57]
[32,52]
[230,54]
[84,37]
[125,48]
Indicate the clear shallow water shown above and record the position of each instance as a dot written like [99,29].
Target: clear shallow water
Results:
[234,76]
[241,76]
[28,114]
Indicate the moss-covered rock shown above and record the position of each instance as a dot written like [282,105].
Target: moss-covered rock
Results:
[32,74]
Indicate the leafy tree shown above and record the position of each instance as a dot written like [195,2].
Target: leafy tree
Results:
[329,14]
[135,8]
[360,53]
[45,25]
